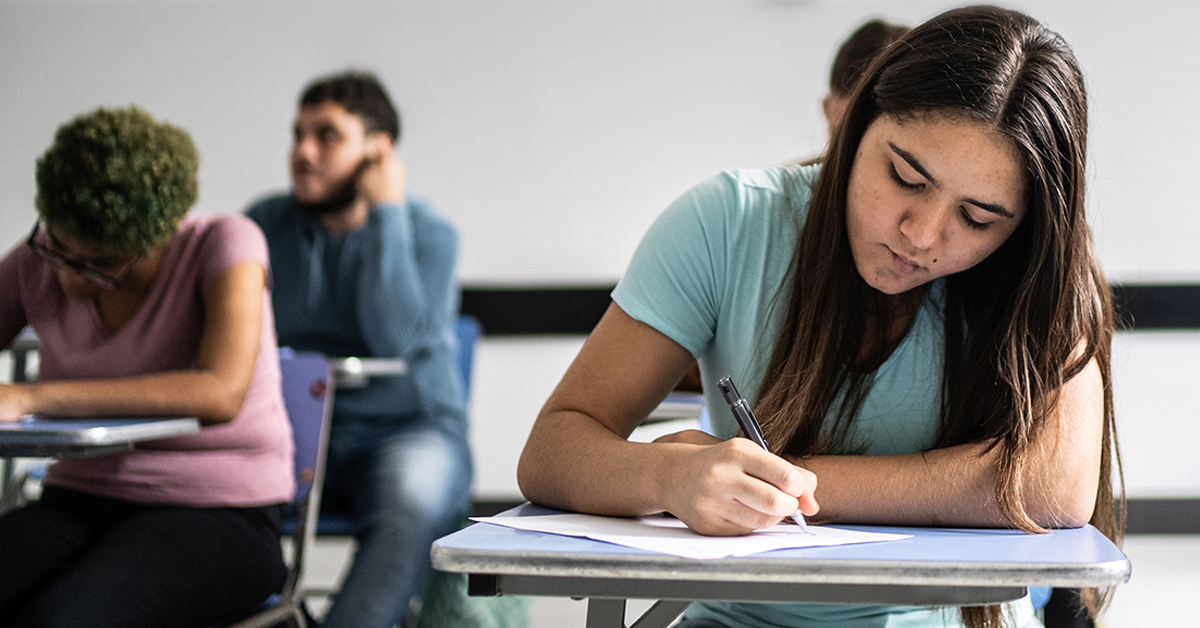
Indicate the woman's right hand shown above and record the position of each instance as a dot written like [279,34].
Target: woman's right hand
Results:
[578,456]
[733,487]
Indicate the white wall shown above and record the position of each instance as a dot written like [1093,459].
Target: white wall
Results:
[552,132]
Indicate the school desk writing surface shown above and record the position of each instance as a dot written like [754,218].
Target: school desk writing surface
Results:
[936,566]
[50,437]
[41,437]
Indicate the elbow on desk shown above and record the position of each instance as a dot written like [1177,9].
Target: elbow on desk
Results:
[221,406]
[533,480]
[215,417]
[1065,505]
[1075,514]
[528,480]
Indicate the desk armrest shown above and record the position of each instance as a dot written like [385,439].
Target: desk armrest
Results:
[354,372]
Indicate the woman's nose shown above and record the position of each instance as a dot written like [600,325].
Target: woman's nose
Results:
[923,226]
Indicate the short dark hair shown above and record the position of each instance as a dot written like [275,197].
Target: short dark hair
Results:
[119,178]
[856,53]
[359,93]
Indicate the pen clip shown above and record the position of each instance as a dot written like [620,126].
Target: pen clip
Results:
[741,411]
[728,390]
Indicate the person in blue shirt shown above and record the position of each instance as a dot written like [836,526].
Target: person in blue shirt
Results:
[920,323]
[363,268]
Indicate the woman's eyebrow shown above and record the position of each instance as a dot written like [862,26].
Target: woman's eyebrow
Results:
[999,210]
[913,162]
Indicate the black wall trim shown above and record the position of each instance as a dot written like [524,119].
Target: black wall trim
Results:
[525,311]
[1157,306]
[1163,516]
[575,310]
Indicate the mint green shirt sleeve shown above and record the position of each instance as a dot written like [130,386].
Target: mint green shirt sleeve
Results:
[674,281]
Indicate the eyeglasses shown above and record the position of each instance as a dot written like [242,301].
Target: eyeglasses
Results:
[94,274]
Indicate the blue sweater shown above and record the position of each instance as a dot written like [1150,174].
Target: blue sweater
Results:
[384,290]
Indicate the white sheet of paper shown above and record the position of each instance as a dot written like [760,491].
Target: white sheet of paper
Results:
[667,535]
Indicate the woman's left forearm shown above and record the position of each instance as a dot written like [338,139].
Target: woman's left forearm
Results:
[945,487]
[957,486]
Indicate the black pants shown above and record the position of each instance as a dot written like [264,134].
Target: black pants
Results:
[73,559]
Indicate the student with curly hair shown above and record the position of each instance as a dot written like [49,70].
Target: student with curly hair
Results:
[921,324]
[144,310]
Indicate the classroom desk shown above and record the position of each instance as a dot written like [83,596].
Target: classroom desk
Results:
[677,405]
[39,437]
[937,566]
[354,372]
[348,372]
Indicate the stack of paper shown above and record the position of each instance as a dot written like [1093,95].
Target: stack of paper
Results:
[668,535]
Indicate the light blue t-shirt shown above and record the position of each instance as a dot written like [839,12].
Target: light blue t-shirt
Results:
[708,274]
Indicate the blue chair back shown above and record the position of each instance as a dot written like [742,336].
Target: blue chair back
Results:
[467,331]
[305,379]
[308,397]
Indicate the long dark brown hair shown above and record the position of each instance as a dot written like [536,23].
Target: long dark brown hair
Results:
[1017,325]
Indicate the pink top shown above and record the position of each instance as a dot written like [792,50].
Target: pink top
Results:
[246,462]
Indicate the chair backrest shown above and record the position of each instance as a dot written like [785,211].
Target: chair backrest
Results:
[336,523]
[308,396]
[467,330]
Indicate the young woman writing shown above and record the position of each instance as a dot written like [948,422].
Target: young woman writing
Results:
[922,319]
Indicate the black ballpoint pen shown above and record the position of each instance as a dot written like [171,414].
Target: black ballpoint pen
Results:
[749,424]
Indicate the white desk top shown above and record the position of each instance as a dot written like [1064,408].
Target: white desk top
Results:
[354,372]
[939,566]
[41,436]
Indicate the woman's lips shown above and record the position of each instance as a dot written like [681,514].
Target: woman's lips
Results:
[903,265]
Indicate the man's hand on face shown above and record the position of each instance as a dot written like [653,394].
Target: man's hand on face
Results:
[382,177]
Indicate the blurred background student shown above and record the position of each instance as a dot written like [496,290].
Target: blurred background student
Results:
[144,309]
[366,269]
[851,60]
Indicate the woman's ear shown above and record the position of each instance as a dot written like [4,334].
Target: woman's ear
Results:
[834,108]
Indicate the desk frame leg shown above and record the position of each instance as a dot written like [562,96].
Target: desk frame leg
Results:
[606,613]
[610,613]
[661,614]
[6,476]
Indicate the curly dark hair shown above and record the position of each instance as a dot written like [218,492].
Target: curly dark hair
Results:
[119,178]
